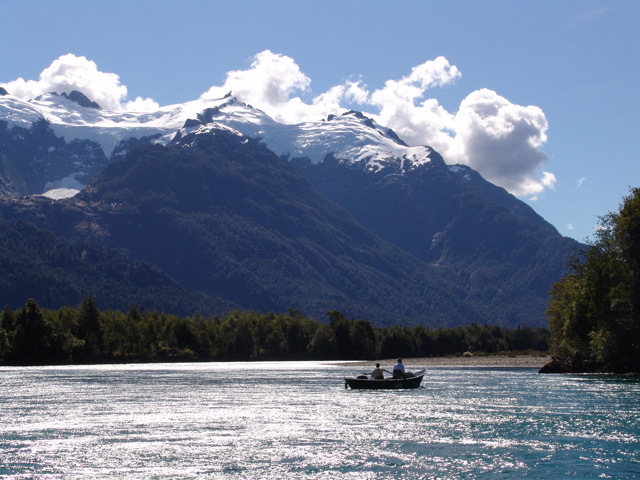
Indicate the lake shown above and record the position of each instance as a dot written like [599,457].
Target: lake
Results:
[296,420]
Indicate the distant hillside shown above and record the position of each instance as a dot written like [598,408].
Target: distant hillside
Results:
[506,255]
[223,215]
[36,264]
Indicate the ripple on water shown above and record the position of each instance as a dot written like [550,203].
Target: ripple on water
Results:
[296,420]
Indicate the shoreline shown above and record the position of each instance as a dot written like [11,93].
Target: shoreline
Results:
[498,361]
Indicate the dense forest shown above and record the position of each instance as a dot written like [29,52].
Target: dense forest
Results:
[31,335]
[216,222]
[594,314]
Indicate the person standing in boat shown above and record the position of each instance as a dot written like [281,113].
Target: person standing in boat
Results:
[377,373]
[398,370]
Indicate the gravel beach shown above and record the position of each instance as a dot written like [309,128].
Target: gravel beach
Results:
[519,361]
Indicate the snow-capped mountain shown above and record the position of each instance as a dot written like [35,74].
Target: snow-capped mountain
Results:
[350,137]
[496,252]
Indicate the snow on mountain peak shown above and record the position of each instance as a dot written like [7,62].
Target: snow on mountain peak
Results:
[350,137]
[207,129]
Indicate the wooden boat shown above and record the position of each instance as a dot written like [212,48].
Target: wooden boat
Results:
[363,382]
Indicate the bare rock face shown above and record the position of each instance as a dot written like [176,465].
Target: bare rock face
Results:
[81,99]
[583,365]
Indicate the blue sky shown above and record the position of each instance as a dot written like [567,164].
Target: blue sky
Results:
[568,70]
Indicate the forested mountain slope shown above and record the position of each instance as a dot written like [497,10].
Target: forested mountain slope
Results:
[223,215]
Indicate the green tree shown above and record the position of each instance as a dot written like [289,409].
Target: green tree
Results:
[323,345]
[594,313]
[276,342]
[363,340]
[4,343]
[116,334]
[425,342]
[449,341]
[244,339]
[7,326]
[297,337]
[397,341]
[342,331]
[89,328]
[626,230]
[481,339]
[8,319]
[35,340]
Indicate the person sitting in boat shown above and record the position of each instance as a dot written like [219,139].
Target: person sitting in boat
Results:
[398,370]
[377,373]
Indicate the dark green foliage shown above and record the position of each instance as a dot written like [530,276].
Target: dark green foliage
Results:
[323,345]
[87,335]
[7,325]
[341,331]
[34,340]
[227,217]
[397,341]
[505,254]
[594,314]
[54,272]
[89,328]
[363,339]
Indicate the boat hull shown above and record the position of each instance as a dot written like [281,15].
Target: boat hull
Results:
[386,384]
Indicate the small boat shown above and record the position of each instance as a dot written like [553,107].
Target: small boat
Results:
[363,382]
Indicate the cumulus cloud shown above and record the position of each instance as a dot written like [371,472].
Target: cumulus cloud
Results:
[502,141]
[271,83]
[268,84]
[142,105]
[68,73]
[499,139]
[401,106]
[432,73]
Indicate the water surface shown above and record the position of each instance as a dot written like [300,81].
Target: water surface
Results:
[296,420]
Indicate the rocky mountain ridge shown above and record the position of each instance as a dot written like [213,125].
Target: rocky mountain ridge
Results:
[498,256]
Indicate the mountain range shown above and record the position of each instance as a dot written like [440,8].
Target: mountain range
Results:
[242,211]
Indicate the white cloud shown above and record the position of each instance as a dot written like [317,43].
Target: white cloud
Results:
[142,105]
[352,92]
[570,227]
[436,72]
[268,84]
[502,141]
[499,139]
[426,122]
[271,83]
[581,181]
[68,73]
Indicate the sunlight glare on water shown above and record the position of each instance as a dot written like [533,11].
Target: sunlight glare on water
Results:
[296,420]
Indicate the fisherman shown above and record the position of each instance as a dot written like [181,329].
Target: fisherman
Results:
[377,373]
[398,370]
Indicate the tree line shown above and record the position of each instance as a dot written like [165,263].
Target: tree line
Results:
[31,335]
[594,313]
